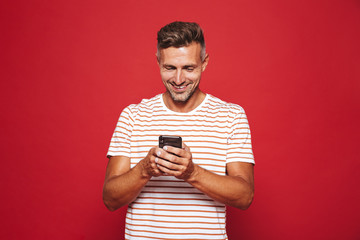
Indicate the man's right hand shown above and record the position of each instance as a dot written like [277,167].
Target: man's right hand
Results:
[150,168]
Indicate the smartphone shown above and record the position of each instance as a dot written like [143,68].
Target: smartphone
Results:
[167,140]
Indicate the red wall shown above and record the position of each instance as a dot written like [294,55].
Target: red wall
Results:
[69,67]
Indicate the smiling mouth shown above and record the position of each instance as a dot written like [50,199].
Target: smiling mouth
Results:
[179,88]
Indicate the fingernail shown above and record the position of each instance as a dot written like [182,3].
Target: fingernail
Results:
[156,160]
[158,153]
[165,148]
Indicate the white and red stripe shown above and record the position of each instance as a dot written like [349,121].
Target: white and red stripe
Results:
[168,208]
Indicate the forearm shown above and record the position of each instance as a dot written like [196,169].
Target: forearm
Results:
[231,190]
[122,189]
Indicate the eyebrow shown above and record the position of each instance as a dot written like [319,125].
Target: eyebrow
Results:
[185,66]
[190,65]
[168,65]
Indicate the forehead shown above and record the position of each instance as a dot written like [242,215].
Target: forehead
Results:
[187,54]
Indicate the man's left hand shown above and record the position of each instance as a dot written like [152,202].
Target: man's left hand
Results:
[176,162]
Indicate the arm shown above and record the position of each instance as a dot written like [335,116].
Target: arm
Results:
[235,189]
[122,184]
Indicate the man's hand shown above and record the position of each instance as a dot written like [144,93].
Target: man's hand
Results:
[175,162]
[150,168]
[235,189]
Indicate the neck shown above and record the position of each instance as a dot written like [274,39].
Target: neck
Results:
[177,106]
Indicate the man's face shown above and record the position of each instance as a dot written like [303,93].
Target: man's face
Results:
[180,70]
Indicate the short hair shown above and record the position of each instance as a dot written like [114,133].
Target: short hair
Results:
[180,34]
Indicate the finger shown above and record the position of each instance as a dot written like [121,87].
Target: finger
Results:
[170,172]
[153,163]
[157,173]
[185,147]
[159,152]
[154,166]
[168,156]
[167,171]
[168,164]
[183,154]
[155,151]
[174,150]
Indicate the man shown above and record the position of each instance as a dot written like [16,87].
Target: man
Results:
[180,193]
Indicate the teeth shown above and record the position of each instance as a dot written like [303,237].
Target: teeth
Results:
[180,87]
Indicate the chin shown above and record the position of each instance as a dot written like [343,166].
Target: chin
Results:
[184,97]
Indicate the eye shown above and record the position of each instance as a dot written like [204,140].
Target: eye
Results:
[190,69]
[169,68]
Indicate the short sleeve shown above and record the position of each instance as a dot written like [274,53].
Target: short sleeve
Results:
[239,148]
[120,141]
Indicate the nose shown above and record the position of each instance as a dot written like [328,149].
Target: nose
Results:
[179,78]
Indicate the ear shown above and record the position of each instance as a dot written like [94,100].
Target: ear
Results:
[157,59]
[205,62]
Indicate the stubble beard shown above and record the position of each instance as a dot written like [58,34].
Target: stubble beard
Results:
[182,97]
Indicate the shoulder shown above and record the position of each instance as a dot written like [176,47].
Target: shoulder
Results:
[218,104]
[146,105]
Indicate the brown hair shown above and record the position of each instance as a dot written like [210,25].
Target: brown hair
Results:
[180,34]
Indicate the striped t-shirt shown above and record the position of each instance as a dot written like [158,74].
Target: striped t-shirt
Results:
[216,132]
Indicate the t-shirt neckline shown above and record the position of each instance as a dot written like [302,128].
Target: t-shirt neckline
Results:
[184,113]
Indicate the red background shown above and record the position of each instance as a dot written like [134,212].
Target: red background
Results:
[68,68]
